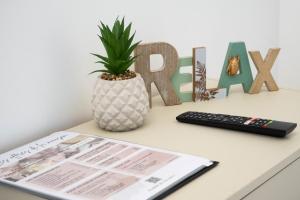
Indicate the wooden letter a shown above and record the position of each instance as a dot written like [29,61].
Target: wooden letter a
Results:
[245,76]
[264,70]
[162,79]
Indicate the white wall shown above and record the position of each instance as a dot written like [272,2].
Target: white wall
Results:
[289,41]
[45,46]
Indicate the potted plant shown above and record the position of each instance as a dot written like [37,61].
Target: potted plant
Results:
[120,100]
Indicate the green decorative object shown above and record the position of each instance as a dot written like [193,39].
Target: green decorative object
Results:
[181,78]
[236,59]
[118,43]
[120,100]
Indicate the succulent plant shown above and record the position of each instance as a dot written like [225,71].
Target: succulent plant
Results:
[118,45]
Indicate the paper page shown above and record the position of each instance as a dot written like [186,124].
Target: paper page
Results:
[69,165]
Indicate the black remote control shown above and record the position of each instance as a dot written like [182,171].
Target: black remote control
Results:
[247,124]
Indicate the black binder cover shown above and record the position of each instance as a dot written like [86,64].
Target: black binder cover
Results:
[186,181]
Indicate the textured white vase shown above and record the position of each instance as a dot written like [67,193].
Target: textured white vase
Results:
[120,105]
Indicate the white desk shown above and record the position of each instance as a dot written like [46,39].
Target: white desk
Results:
[252,167]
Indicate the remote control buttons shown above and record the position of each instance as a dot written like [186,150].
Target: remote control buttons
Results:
[266,124]
[250,121]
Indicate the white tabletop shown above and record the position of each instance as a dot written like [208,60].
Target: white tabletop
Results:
[246,160]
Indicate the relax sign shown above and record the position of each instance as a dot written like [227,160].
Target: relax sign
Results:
[169,79]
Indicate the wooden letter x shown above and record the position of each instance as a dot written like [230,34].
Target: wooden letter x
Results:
[264,70]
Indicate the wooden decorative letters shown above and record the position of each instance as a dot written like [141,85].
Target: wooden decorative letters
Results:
[200,92]
[162,79]
[236,70]
[199,73]
[182,78]
[264,70]
[236,57]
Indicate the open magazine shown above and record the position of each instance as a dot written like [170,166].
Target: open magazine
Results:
[69,165]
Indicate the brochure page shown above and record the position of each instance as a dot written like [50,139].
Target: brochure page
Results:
[73,166]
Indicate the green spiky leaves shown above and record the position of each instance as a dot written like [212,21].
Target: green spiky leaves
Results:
[118,45]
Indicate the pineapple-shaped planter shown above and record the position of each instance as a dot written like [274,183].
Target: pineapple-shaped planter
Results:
[120,100]
[120,105]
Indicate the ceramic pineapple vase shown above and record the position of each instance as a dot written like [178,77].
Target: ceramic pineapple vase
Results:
[120,105]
